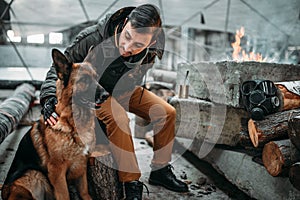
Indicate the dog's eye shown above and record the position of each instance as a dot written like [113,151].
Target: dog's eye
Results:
[85,79]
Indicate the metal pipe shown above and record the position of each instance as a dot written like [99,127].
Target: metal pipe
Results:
[84,10]
[107,9]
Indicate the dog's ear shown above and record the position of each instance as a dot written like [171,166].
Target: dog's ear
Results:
[94,56]
[62,65]
[91,56]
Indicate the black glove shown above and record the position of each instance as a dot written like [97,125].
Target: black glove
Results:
[49,108]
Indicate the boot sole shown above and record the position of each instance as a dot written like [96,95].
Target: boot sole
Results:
[152,182]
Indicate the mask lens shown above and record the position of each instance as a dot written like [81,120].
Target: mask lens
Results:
[248,87]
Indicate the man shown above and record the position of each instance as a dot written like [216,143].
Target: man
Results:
[126,44]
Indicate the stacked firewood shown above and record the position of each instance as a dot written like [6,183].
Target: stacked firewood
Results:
[278,137]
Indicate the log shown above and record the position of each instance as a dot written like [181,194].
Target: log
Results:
[276,157]
[290,100]
[13,109]
[103,180]
[244,139]
[294,130]
[245,146]
[103,177]
[273,127]
[294,175]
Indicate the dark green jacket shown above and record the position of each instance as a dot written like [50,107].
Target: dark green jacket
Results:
[116,74]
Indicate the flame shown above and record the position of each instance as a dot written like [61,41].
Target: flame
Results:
[239,54]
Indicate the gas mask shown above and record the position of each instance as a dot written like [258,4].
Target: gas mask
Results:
[260,98]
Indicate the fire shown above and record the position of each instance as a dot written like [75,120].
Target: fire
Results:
[239,54]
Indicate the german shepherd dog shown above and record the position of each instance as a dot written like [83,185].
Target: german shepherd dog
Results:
[50,157]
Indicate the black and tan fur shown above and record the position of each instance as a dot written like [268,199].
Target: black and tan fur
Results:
[57,155]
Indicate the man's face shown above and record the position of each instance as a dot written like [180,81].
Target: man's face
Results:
[131,42]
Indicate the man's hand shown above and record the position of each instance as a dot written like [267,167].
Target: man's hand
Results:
[48,110]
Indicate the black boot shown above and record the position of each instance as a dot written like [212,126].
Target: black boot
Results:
[134,190]
[166,178]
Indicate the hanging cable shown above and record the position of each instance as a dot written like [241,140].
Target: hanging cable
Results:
[262,16]
[210,5]
[14,46]
[6,9]
[35,23]
[226,22]
[84,10]
[192,16]
[107,9]
[161,10]
[18,53]
[227,16]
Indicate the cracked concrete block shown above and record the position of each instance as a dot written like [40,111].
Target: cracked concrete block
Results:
[204,120]
[219,82]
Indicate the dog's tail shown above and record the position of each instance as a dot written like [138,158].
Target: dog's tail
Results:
[25,158]
[14,175]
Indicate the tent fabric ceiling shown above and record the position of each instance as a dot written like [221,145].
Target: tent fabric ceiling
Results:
[275,19]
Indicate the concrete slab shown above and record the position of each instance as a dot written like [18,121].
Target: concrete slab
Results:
[247,175]
[250,176]
[204,120]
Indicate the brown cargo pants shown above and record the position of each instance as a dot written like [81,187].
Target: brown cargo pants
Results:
[150,107]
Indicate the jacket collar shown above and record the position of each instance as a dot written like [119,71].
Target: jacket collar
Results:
[107,27]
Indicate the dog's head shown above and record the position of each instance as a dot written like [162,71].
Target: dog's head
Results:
[76,81]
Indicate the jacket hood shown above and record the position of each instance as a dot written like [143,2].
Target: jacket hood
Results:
[107,27]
